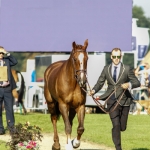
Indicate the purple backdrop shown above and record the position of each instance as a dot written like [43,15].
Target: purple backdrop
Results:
[52,25]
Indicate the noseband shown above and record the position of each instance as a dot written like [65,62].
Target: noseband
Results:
[80,70]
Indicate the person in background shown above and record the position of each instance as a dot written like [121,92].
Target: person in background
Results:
[33,76]
[120,78]
[144,75]
[143,72]
[6,88]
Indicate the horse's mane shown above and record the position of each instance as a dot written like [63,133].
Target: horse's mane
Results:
[79,47]
[76,47]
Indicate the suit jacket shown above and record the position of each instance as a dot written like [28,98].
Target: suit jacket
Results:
[10,61]
[126,75]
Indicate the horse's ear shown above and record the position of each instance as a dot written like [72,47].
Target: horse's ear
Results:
[86,43]
[74,45]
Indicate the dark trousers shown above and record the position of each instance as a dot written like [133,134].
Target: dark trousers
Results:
[119,119]
[7,98]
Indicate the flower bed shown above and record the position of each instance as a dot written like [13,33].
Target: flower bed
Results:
[26,137]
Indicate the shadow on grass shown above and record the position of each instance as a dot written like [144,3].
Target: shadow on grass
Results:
[140,149]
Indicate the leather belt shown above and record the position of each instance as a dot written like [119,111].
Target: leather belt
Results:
[4,86]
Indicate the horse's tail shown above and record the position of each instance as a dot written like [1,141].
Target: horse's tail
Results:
[21,92]
[22,88]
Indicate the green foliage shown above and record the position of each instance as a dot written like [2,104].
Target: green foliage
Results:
[24,133]
[108,59]
[2,145]
[138,12]
[22,58]
[128,59]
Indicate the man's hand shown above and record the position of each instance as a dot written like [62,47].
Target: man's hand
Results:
[91,92]
[97,98]
[125,85]
[4,51]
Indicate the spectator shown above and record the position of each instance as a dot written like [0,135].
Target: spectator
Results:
[144,73]
[6,87]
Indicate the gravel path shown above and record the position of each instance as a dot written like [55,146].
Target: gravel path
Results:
[47,142]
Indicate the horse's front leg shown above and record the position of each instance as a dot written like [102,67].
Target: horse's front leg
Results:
[80,129]
[68,128]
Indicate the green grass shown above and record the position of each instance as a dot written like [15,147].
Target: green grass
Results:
[97,129]
[2,145]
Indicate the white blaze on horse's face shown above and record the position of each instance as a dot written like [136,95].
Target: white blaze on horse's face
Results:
[81,60]
[82,77]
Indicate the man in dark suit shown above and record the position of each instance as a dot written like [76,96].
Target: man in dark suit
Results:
[6,87]
[119,77]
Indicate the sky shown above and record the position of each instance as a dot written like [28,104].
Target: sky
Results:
[145,4]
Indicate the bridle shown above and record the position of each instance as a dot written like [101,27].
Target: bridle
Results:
[76,75]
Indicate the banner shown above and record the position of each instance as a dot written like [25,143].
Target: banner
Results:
[52,25]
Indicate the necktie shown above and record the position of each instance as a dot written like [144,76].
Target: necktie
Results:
[115,74]
[1,63]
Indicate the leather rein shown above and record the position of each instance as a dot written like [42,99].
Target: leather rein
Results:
[102,107]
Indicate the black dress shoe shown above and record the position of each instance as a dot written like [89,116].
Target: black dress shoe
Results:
[11,129]
[2,132]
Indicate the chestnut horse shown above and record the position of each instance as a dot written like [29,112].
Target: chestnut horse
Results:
[63,92]
[18,95]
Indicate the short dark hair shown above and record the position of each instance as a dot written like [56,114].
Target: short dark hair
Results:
[115,49]
[1,47]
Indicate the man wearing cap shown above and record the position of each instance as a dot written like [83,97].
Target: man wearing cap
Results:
[7,84]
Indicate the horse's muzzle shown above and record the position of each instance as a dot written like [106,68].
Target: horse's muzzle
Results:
[82,83]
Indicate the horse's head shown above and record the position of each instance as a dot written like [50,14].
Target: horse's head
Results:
[79,59]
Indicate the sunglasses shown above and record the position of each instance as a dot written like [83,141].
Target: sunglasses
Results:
[1,53]
[116,57]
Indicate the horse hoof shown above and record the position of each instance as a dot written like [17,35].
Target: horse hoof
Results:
[54,147]
[75,143]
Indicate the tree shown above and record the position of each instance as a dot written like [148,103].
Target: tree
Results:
[138,12]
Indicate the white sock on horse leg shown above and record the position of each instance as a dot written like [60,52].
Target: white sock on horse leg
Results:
[69,145]
[76,143]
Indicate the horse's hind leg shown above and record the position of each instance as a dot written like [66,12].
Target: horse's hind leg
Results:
[54,117]
[56,145]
